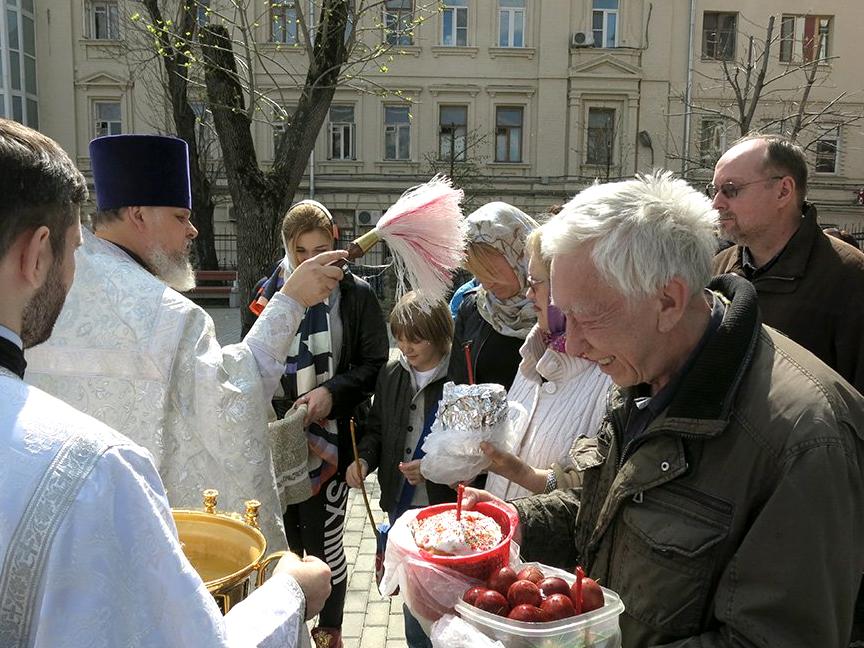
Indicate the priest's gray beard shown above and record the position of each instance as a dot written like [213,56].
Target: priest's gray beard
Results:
[174,269]
[42,311]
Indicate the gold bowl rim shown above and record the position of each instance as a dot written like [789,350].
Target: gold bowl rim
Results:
[231,579]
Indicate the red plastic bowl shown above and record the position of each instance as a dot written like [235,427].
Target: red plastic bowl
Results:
[482,564]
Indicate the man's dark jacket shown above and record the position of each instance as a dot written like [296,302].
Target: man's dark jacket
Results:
[814,293]
[738,518]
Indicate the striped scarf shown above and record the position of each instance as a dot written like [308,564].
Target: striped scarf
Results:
[308,365]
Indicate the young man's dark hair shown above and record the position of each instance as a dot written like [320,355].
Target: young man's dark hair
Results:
[39,185]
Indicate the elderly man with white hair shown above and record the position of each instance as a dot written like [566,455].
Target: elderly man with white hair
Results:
[723,497]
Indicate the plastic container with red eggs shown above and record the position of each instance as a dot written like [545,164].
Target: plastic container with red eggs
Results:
[541,609]
[521,605]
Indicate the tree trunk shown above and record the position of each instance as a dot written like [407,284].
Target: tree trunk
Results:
[253,206]
[261,200]
[175,62]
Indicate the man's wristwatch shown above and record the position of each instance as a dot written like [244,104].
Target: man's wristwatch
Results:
[551,482]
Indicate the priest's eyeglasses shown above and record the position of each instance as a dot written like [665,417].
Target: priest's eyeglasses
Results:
[731,190]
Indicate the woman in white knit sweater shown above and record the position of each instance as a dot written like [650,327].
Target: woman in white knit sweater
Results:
[565,398]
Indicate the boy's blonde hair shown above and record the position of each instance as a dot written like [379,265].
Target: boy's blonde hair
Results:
[415,321]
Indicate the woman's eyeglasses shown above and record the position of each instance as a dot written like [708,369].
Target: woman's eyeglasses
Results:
[533,282]
[730,189]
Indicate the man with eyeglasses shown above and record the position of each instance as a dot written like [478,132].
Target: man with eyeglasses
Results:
[810,286]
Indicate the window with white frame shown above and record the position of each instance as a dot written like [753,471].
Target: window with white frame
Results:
[454,23]
[19,99]
[398,22]
[600,136]
[508,134]
[826,151]
[511,23]
[452,132]
[342,133]
[397,133]
[805,38]
[107,119]
[718,35]
[712,140]
[102,20]
[283,22]
[604,23]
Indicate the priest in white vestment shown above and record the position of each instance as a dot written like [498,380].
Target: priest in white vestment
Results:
[137,355]
[88,548]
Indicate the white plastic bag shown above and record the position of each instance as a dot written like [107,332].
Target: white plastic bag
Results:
[428,590]
[452,632]
[453,452]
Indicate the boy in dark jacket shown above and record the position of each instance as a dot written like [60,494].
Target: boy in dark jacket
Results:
[406,401]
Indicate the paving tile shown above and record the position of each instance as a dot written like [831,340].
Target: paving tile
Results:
[377,614]
[352,624]
[352,538]
[354,524]
[356,600]
[360,581]
[374,637]
[396,626]
[368,545]
[365,562]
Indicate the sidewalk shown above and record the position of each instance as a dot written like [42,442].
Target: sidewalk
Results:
[371,620]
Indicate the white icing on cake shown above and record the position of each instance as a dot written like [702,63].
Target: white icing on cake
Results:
[443,534]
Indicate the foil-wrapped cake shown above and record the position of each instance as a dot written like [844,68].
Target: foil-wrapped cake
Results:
[467,416]
[472,407]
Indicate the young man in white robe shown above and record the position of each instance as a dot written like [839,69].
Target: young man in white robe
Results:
[134,353]
[88,548]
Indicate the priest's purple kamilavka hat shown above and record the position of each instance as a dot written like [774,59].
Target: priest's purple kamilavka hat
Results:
[140,170]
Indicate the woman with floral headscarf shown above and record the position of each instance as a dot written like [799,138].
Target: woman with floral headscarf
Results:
[494,318]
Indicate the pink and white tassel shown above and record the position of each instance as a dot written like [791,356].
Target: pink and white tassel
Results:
[426,233]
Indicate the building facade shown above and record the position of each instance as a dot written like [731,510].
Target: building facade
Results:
[538,99]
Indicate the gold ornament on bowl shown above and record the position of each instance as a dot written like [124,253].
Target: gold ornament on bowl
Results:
[224,548]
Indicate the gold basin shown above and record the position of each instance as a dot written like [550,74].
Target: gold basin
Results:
[225,551]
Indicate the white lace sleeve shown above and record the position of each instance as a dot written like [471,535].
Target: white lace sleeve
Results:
[118,577]
[271,336]
[260,619]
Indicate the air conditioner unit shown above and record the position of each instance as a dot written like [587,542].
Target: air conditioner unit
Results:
[366,217]
[582,39]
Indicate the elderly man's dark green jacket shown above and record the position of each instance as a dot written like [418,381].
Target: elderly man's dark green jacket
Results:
[738,518]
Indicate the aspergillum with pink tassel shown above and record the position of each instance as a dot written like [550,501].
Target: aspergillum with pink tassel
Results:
[426,233]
